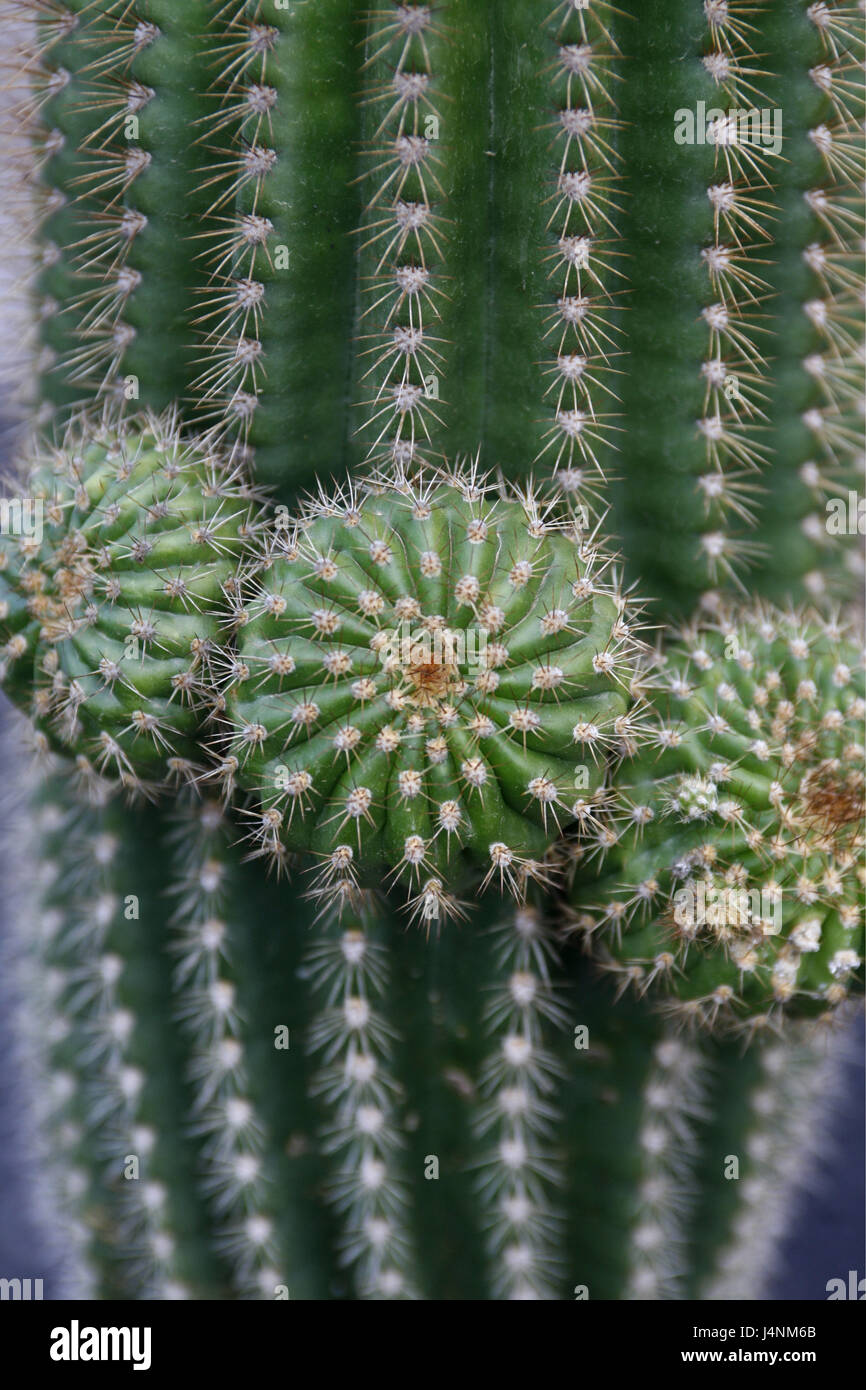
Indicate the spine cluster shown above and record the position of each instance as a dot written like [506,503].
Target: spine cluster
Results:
[426,674]
[730,859]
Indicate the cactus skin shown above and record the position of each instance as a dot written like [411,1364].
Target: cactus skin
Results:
[751,782]
[157,283]
[113,1074]
[532,1201]
[769,1108]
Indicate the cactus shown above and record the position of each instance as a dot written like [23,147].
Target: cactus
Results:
[111,614]
[418,672]
[731,865]
[300,248]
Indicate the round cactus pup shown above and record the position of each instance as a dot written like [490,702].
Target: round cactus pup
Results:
[731,869]
[109,616]
[427,679]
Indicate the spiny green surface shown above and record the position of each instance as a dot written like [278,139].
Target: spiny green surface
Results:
[293,251]
[717,386]
[815,435]
[115,1067]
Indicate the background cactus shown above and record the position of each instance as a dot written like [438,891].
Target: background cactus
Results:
[334,242]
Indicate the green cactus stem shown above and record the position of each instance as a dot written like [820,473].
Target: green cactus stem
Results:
[740,150]
[342,1164]
[413,236]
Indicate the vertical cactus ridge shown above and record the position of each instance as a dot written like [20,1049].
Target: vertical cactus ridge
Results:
[443,1041]
[626,1177]
[113,1070]
[672,1098]
[142,334]
[235,1180]
[354,1044]
[586,270]
[403,237]
[45,222]
[119,194]
[50,1115]
[697,221]
[521,1174]
[815,432]
[276,306]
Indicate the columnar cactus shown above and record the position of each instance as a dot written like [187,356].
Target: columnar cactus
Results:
[292,265]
